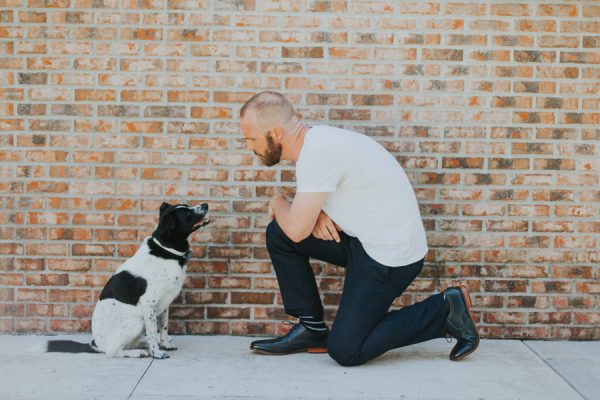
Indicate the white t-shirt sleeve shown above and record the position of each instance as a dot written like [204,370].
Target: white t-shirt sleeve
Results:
[319,169]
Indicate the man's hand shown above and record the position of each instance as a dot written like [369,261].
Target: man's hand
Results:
[297,220]
[326,229]
[272,202]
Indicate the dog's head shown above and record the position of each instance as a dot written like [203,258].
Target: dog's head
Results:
[177,222]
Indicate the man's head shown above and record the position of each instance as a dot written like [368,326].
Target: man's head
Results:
[265,119]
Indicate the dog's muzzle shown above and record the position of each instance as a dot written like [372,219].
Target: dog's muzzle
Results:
[202,211]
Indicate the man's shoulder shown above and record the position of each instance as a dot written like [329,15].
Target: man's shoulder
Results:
[322,138]
[322,144]
[329,129]
[317,132]
[327,134]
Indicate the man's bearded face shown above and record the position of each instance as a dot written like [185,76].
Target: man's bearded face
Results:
[272,155]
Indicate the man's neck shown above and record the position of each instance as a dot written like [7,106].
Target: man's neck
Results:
[296,141]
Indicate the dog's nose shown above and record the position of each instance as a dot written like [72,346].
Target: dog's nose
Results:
[202,208]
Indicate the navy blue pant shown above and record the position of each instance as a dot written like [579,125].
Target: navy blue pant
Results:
[363,328]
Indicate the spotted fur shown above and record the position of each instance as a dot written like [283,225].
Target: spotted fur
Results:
[136,299]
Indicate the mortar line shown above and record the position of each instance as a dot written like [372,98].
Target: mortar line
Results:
[142,377]
[555,370]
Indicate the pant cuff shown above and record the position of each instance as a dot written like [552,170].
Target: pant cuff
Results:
[304,313]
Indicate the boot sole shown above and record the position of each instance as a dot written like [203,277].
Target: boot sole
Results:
[311,350]
[467,299]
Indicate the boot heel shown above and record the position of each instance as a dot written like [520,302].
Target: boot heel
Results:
[466,296]
[317,350]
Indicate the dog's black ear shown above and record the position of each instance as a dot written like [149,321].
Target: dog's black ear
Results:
[166,222]
[163,207]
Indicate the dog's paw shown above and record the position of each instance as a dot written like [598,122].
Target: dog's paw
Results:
[168,346]
[143,353]
[160,355]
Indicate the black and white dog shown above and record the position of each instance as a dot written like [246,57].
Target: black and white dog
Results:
[136,298]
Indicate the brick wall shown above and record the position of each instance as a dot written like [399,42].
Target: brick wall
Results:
[110,107]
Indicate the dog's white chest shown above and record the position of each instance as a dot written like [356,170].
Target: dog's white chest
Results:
[174,283]
[165,284]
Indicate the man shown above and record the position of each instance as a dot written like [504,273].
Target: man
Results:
[354,207]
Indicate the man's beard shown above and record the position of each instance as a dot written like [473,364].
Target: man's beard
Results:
[273,154]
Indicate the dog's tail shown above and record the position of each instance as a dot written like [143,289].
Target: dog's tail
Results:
[66,346]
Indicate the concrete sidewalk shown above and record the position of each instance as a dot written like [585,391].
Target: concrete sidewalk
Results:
[222,367]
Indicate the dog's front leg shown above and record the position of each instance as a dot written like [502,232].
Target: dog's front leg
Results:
[149,311]
[166,343]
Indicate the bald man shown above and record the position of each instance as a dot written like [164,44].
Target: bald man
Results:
[354,207]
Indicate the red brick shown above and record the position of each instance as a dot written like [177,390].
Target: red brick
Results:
[29,325]
[422,8]
[359,53]
[118,126]
[302,52]
[227,312]
[559,10]
[190,96]
[251,298]
[206,328]
[93,250]
[252,328]
[31,295]
[76,325]
[447,55]
[47,310]
[69,296]
[47,279]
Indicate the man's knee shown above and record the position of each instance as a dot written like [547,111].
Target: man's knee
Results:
[274,234]
[343,355]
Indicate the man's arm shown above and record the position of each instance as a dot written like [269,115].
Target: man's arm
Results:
[326,229]
[298,219]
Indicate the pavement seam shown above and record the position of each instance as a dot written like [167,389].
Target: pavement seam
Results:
[139,380]
[555,370]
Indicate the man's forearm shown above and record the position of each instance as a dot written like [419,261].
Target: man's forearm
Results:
[282,213]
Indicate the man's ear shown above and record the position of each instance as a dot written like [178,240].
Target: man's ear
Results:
[277,133]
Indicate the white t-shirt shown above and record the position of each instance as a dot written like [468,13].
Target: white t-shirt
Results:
[368,194]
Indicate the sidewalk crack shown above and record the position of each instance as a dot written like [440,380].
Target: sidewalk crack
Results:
[555,371]
[141,377]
